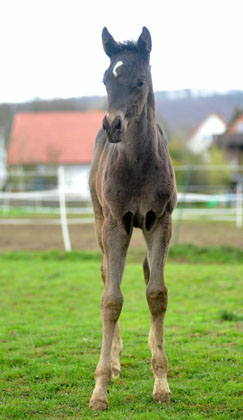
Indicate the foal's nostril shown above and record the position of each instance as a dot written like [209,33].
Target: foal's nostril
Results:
[117,124]
[105,124]
[113,125]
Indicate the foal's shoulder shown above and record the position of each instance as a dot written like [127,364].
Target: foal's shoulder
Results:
[99,143]
[100,139]
[98,148]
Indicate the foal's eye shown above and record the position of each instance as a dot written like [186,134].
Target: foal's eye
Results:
[140,83]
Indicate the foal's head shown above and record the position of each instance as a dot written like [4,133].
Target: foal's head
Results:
[127,82]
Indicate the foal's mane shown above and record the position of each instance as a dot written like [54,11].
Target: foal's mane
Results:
[127,46]
[130,46]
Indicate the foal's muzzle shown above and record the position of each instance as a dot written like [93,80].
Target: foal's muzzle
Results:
[114,126]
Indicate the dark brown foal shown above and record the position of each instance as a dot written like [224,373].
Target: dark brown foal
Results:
[132,184]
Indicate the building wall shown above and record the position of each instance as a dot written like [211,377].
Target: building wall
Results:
[203,137]
[76,180]
[3,164]
[45,177]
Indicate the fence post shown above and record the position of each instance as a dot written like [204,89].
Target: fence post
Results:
[63,212]
[181,209]
[239,202]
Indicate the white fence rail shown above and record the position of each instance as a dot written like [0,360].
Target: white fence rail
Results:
[225,206]
[62,201]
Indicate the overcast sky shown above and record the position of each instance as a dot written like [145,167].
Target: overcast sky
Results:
[52,48]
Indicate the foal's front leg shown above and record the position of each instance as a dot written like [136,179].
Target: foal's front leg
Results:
[115,243]
[117,346]
[156,293]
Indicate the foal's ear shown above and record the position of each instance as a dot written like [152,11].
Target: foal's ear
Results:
[109,44]
[145,42]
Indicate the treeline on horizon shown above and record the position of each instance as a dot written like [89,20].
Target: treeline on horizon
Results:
[178,111]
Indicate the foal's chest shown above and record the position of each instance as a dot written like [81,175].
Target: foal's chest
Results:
[137,188]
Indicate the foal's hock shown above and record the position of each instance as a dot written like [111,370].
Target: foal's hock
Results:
[132,184]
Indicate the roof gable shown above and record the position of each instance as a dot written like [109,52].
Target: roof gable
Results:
[53,137]
[207,123]
[237,126]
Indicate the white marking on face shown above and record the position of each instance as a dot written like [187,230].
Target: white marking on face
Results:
[118,64]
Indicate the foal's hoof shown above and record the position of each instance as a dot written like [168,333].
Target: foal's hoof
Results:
[162,397]
[115,373]
[99,400]
[98,404]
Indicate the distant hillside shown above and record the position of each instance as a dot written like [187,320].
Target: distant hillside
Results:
[179,111]
[183,110]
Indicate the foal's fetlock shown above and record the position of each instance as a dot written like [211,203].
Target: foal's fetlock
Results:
[102,376]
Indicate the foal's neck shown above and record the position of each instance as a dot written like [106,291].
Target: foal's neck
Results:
[141,137]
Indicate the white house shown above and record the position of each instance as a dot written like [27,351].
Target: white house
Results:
[202,137]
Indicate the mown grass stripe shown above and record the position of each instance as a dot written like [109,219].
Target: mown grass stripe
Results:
[180,253]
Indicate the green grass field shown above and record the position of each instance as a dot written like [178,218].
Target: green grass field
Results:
[50,336]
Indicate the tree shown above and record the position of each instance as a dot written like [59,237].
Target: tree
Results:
[216,176]
[237,112]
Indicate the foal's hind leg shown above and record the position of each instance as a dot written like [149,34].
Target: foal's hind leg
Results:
[115,243]
[156,292]
[146,270]
[116,351]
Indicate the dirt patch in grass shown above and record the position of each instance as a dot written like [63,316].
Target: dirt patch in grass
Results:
[45,237]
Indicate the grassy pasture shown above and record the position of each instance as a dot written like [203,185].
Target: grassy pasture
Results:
[50,336]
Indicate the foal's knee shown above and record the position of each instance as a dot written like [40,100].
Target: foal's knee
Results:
[111,306]
[157,299]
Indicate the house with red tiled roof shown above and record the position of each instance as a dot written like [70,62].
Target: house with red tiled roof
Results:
[202,136]
[46,140]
